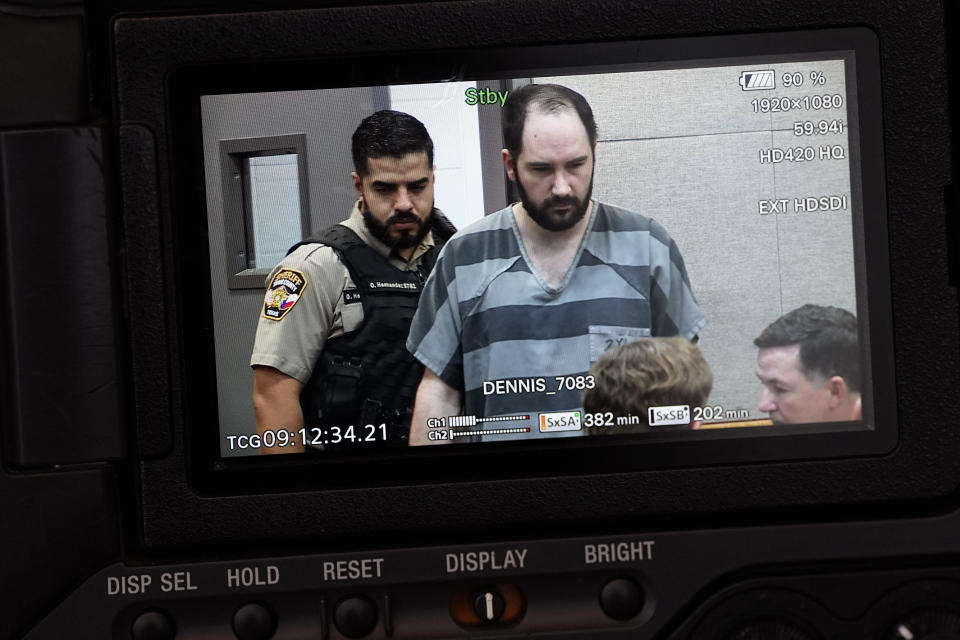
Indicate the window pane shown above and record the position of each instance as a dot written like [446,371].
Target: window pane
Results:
[274,183]
[459,187]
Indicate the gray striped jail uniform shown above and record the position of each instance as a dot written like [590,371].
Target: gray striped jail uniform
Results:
[485,315]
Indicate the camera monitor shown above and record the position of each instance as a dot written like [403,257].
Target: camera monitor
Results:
[725,295]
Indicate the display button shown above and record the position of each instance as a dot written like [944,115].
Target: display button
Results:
[254,621]
[489,605]
[153,625]
[499,603]
[621,598]
[355,616]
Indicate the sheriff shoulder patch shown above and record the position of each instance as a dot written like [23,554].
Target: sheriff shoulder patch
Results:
[284,291]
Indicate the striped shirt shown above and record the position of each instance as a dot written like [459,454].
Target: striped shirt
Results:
[490,327]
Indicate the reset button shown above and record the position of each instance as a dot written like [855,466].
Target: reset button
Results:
[355,616]
[621,598]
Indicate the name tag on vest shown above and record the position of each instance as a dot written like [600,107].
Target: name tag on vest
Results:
[351,296]
[400,287]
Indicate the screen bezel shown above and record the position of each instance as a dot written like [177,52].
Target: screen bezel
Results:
[211,474]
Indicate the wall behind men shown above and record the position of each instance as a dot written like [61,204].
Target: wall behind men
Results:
[327,121]
[683,147]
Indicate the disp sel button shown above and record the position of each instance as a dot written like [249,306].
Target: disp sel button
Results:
[621,598]
[153,625]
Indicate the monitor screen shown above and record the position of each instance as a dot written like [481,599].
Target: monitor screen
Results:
[651,247]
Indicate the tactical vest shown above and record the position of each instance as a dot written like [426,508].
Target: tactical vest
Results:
[367,376]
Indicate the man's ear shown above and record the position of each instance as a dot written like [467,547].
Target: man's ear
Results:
[837,388]
[509,165]
[357,183]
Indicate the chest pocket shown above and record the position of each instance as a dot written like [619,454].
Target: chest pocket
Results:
[351,313]
[603,337]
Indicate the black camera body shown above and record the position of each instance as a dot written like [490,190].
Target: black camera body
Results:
[121,521]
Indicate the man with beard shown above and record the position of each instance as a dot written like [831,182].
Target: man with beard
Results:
[329,359]
[522,302]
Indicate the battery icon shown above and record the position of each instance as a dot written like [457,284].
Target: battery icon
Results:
[757,80]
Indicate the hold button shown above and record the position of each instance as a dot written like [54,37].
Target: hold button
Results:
[254,621]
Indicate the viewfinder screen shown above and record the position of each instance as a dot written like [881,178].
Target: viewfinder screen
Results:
[698,267]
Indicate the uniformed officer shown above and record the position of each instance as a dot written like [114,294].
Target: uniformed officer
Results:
[329,359]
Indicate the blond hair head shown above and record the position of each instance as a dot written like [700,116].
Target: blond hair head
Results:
[651,372]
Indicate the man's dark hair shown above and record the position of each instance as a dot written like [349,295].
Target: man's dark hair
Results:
[389,134]
[827,337]
[546,98]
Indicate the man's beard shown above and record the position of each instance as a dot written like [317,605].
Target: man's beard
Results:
[401,239]
[545,215]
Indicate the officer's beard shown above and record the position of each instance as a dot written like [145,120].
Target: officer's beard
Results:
[545,214]
[403,239]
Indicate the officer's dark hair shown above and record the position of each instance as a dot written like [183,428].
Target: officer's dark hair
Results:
[546,98]
[827,337]
[389,134]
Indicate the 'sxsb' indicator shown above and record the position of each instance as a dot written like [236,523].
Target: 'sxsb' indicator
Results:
[757,80]
[664,416]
